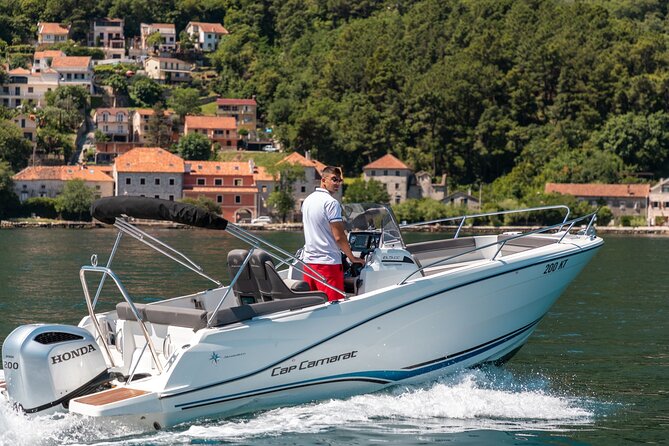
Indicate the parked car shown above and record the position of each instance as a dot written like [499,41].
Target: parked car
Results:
[262,220]
[270,148]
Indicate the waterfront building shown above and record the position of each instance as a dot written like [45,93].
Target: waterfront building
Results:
[231,185]
[623,199]
[149,172]
[49,181]
[658,204]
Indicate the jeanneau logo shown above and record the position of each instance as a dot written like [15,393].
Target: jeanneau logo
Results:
[72,354]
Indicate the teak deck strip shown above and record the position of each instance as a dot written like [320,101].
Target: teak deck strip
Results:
[110,396]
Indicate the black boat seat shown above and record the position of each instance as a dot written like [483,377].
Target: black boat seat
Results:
[271,285]
[246,287]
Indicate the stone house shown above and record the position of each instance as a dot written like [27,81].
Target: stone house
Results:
[49,181]
[623,199]
[28,125]
[658,203]
[149,172]
[393,173]
[140,123]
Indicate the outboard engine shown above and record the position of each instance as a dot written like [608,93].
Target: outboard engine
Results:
[46,366]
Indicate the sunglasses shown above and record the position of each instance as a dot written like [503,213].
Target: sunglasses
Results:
[336,180]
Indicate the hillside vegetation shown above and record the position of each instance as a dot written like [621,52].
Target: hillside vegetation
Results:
[506,93]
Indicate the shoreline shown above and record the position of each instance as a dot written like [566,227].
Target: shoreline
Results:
[477,230]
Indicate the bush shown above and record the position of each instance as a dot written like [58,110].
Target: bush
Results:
[625,221]
[40,206]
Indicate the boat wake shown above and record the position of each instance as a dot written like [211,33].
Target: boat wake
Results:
[483,399]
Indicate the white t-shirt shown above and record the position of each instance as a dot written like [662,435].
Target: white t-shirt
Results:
[318,211]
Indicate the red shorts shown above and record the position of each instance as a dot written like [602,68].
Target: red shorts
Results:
[334,275]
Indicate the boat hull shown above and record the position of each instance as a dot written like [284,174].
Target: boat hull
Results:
[409,333]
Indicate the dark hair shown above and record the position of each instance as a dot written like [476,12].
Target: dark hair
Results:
[331,169]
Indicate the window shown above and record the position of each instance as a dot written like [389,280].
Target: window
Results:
[238,199]
[105,117]
[171,181]
[397,186]
[218,182]
[385,172]
[665,188]
[171,197]
[373,173]
[264,189]
[219,198]
[303,189]
[142,181]
[397,173]
[43,186]
[238,182]
[157,181]
[17,91]
[97,187]
[128,181]
[31,89]
[200,181]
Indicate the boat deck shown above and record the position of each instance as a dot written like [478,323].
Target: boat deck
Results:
[110,396]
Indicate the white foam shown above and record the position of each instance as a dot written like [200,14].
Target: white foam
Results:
[467,401]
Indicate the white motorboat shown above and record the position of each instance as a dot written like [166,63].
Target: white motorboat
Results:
[412,313]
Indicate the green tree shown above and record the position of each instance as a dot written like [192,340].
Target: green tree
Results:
[14,148]
[361,191]
[9,202]
[285,176]
[69,97]
[194,146]
[154,40]
[75,200]
[145,92]
[185,101]
[159,127]
[204,203]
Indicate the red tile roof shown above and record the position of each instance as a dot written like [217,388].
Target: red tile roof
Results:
[210,122]
[48,53]
[19,71]
[296,158]
[71,62]
[386,162]
[215,28]
[233,101]
[62,173]
[53,28]
[262,174]
[149,159]
[599,190]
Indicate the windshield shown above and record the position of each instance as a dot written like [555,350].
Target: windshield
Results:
[373,217]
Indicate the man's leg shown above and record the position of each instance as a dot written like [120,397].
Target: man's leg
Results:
[334,276]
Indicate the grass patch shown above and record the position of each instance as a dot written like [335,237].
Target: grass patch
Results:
[264,159]
[209,109]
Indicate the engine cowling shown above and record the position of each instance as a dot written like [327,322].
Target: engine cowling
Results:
[47,365]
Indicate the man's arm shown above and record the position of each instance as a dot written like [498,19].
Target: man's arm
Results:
[340,238]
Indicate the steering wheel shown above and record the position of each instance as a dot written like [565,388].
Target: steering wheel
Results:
[351,269]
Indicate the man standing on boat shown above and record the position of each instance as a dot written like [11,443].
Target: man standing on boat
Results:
[324,236]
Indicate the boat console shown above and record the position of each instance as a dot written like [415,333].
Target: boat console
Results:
[375,235]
